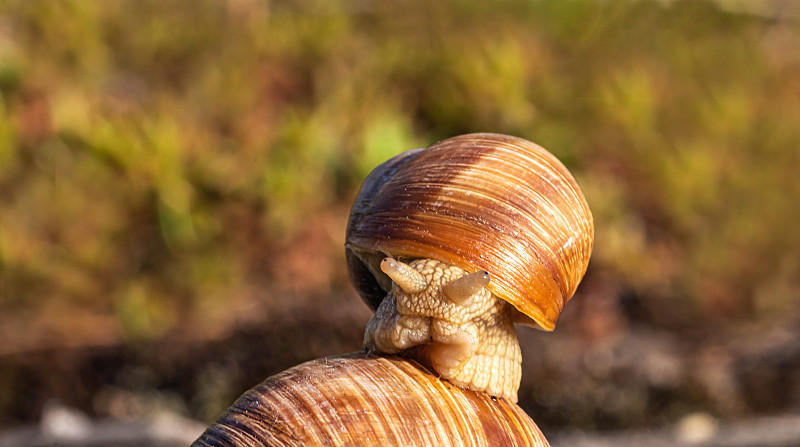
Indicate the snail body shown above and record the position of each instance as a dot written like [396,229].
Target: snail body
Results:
[468,340]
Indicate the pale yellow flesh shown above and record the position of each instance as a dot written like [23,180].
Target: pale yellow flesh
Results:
[473,346]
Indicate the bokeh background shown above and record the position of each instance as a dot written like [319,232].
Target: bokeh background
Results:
[175,179]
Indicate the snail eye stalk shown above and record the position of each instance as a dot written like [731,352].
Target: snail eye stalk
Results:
[410,280]
[463,289]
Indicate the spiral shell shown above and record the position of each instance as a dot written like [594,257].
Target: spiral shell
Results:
[364,400]
[480,202]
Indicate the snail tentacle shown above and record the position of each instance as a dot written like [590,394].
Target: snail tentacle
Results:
[407,278]
[462,289]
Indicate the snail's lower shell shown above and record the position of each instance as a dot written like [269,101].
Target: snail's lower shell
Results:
[356,399]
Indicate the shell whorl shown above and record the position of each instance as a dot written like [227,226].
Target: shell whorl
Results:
[481,202]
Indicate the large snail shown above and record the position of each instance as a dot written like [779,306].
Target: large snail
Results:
[450,245]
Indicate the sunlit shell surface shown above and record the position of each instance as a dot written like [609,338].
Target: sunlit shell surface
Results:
[359,400]
[481,202]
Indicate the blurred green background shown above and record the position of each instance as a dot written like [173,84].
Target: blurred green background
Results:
[175,179]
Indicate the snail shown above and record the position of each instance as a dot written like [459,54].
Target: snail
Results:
[497,206]
[450,245]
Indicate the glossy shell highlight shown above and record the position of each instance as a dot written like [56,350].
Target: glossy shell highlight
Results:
[480,202]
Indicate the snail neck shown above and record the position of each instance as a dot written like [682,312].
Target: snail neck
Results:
[470,343]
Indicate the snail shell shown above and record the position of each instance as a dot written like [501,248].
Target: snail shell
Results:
[368,400]
[480,202]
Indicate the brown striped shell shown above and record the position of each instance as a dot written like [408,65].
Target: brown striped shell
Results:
[480,202]
[358,400]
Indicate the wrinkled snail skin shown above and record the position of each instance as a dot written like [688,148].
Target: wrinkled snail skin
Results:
[360,400]
[469,341]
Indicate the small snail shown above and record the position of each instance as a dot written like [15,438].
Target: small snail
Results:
[500,207]
[450,245]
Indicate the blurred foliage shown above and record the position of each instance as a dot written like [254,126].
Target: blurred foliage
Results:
[180,169]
